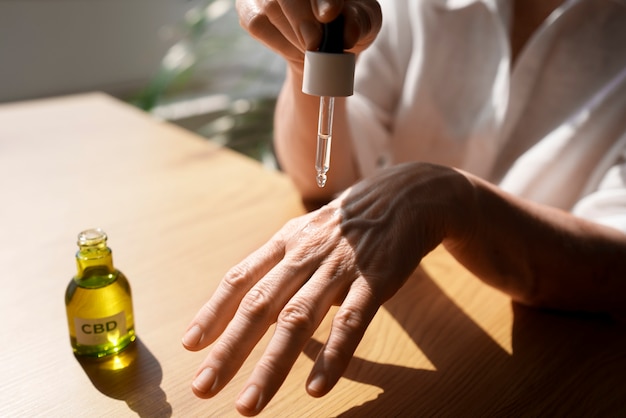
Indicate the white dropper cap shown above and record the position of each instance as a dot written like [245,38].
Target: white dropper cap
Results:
[329,71]
[328,74]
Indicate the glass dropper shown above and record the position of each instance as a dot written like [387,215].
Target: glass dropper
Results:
[328,73]
[324,138]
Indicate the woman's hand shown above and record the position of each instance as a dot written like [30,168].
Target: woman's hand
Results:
[356,252]
[290,27]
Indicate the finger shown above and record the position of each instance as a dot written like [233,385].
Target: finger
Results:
[327,10]
[307,247]
[347,330]
[363,22]
[265,22]
[294,327]
[258,309]
[213,317]
[305,26]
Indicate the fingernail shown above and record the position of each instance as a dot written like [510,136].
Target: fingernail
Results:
[205,381]
[250,398]
[317,384]
[192,336]
[322,7]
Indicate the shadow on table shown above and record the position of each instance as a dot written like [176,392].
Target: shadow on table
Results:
[568,365]
[134,376]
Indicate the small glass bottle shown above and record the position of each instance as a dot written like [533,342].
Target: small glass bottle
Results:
[98,300]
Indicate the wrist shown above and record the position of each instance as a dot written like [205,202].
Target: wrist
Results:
[463,213]
[452,197]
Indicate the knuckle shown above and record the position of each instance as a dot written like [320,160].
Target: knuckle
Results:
[296,317]
[257,304]
[258,22]
[223,351]
[237,278]
[349,320]
[272,8]
[337,354]
[274,365]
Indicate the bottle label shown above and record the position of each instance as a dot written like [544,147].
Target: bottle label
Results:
[96,331]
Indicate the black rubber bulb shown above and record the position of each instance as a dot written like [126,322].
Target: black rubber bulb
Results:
[332,39]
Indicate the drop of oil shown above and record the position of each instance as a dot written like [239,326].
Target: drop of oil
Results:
[321,179]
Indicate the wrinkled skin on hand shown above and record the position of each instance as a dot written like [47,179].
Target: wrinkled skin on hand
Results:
[290,27]
[355,252]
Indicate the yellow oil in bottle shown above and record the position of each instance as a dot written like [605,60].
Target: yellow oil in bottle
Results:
[98,300]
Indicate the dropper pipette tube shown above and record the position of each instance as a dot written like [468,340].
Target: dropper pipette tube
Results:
[324,138]
[328,73]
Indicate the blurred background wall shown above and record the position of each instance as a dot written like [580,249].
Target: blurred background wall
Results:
[51,47]
[186,61]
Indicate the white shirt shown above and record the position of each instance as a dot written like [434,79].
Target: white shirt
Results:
[438,85]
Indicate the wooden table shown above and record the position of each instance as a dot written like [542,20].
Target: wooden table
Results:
[179,212]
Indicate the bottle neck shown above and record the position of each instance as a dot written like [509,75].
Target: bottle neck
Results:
[94,260]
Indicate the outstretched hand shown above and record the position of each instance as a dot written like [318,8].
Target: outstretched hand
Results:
[355,252]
